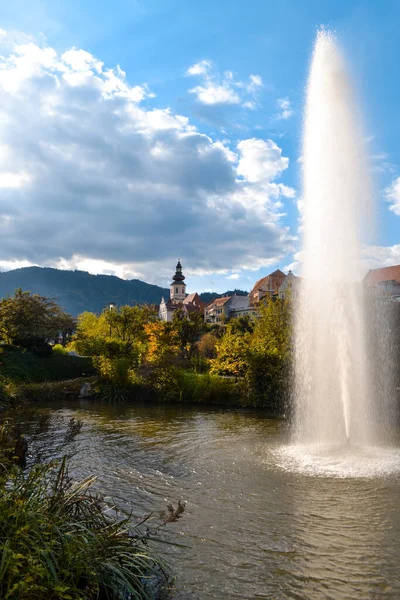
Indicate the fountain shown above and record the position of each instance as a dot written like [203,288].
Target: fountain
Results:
[336,428]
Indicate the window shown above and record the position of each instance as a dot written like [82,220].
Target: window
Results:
[176,290]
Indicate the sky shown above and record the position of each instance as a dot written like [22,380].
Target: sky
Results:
[137,132]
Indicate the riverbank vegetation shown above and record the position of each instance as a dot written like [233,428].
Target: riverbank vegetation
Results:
[244,362]
[60,540]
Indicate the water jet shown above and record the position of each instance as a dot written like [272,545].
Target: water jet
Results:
[333,391]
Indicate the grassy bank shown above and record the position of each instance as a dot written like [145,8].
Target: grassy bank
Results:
[19,365]
[178,385]
[27,376]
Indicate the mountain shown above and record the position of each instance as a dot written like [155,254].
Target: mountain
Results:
[77,291]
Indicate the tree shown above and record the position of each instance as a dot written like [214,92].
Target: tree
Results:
[127,323]
[206,346]
[163,342]
[188,328]
[232,354]
[114,333]
[273,328]
[269,358]
[242,324]
[90,335]
[32,321]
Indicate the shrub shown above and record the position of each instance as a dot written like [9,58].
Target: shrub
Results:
[60,349]
[59,540]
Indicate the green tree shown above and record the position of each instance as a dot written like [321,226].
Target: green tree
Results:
[232,354]
[32,321]
[91,334]
[127,323]
[188,328]
[114,333]
[273,327]
[269,357]
[206,346]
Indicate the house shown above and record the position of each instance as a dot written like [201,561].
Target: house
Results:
[289,288]
[194,301]
[178,299]
[267,286]
[217,310]
[227,307]
[387,278]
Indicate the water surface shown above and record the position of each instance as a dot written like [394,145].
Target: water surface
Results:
[253,529]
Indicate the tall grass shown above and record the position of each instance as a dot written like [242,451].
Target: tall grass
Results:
[59,540]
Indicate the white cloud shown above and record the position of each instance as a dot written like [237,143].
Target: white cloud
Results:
[218,90]
[234,276]
[255,81]
[13,180]
[285,111]
[200,68]
[375,257]
[80,60]
[392,195]
[260,160]
[212,93]
[91,178]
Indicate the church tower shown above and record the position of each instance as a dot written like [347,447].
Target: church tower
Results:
[178,285]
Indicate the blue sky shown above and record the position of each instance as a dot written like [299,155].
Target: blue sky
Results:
[134,132]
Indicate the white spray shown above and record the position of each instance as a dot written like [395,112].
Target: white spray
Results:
[332,391]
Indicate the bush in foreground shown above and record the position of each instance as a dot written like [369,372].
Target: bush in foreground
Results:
[58,540]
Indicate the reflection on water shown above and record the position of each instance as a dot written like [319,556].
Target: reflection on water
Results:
[253,530]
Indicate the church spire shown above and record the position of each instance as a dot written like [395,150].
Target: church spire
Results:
[178,277]
[178,285]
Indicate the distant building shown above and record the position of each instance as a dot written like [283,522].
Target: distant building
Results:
[290,287]
[227,307]
[387,278]
[178,299]
[267,286]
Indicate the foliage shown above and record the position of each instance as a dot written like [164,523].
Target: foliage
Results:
[207,389]
[45,391]
[174,384]
[232,354]
[244,324]
[127,323]
[272,330]
[59,540]
[188,328]
[163,342]
[60,349]
[32,321]
[90,334]
[268,373]
[137,355]
[19,366]
[206,346]
[115,332]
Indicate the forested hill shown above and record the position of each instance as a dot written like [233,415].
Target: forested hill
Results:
[77,291]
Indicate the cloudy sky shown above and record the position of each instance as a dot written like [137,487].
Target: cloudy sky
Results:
[134,132]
